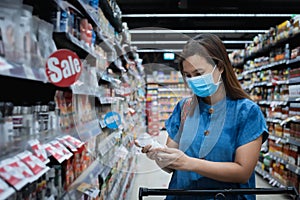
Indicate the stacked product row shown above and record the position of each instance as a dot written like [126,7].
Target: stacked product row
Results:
[164,90]
[73,142]
[268,70]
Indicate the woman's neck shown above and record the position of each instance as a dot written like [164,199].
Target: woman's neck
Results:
[216,97]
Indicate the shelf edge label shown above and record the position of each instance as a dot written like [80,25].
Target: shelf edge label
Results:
[112,120]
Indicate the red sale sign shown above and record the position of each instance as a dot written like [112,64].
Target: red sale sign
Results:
[63,67]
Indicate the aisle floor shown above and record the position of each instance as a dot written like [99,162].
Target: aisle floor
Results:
[149,175]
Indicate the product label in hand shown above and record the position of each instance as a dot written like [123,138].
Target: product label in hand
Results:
[63,68]
[112,120]
[39,151]
[11,174]
[34,163]
[62,148]
[146,139]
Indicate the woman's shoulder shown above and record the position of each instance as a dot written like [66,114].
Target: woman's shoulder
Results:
[244,103]
[184,99]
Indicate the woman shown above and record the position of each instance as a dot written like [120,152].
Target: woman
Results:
[217,144]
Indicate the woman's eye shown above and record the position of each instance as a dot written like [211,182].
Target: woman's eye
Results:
[197,74]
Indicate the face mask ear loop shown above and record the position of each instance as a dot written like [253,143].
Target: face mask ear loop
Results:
[219,80]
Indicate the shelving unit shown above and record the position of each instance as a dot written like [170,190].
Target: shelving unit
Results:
[269,73]
[52,122]
[163,93]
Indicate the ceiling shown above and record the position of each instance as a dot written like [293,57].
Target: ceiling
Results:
[235,30]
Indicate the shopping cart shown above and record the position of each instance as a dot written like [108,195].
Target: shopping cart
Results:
[219,194]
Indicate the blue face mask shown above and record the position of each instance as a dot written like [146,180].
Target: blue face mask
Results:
[204,85]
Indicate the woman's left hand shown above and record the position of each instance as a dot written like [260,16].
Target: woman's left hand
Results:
[172,158]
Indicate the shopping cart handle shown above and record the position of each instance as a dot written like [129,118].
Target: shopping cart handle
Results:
[218,193]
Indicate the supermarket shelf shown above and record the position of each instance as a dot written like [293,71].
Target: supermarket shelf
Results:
[88,130]
[272,180]
[125,183]
[265,50]
[92,171]
[295,80]
[168,97]
[66,40]
[172,89]
[290,140]
[272,120]
[293,168]
[21,143]
[167,111]
[273,103]
[108,12]
[89,12]
[107,100]
[293,140]
[272,65]
[289,166]
[295,60]
[162,83]
[35,73]
[108,143]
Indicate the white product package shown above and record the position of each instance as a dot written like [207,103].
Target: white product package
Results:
[146,139]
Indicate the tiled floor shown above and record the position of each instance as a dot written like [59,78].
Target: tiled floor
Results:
[149,175]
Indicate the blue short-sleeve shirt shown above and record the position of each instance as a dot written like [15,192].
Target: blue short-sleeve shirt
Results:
[244,122]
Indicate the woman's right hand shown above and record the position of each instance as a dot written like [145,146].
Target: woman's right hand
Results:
[146,149]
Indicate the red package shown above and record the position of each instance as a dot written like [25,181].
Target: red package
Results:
[67,144]
[34,163]
[56,153]
[5,190]
[24,169]
[12,174]
[38,150]
[62,148]
[74,141]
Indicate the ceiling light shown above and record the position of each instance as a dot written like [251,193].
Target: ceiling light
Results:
[183,42]
[158,42]
[141,31]
[158,50]
[207,15]
[170,50]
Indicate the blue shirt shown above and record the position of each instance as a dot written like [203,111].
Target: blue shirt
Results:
[244,122]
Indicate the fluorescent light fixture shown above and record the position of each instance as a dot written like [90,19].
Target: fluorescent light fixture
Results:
[158,42]
[159,31]
[157,50]
[207,15]
[169,56]
[169,50]
[231,50]
[183,42]
[237,42]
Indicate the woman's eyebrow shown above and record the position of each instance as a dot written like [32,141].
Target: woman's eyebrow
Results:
[197,71]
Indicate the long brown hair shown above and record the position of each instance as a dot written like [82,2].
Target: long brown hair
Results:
[212,48]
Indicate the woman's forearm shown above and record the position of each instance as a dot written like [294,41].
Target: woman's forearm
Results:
[221,171]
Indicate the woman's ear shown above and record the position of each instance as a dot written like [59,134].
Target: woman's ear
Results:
[220,68]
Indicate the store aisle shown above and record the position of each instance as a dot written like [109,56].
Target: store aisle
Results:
[149,175]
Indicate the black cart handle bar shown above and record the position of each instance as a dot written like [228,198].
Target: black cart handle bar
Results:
[218,193]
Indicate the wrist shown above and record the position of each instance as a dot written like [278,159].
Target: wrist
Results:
[190,163]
